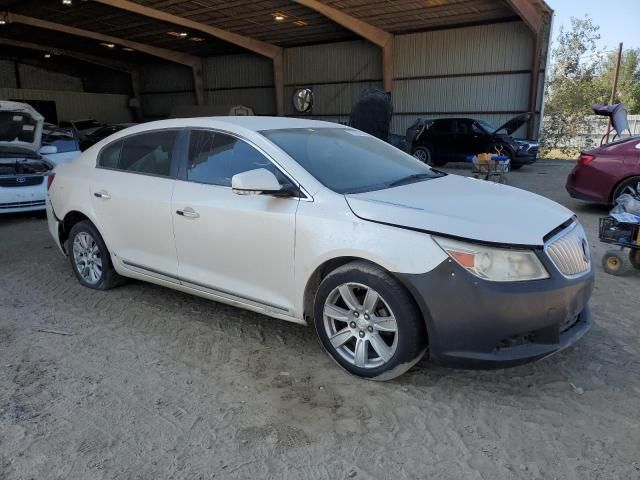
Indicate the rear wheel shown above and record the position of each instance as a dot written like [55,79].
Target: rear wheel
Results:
[634,258]
[613,263]
[619,190]
[90,259]
[368,322]
[425,156]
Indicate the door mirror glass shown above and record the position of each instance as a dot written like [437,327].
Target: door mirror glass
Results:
[255,182]
[48,150]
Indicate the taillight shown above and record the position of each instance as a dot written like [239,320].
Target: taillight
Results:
[585,159]
[50,178]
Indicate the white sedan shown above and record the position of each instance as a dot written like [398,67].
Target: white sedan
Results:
[314,222]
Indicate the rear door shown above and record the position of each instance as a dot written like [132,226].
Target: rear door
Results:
[470,139]
[237,246]
[441,138]
[131,193]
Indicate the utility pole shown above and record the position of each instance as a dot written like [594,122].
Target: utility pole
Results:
[614,88]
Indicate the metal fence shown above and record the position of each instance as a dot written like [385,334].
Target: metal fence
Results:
[595,127]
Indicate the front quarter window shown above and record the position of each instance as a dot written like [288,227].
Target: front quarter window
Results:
[347,160]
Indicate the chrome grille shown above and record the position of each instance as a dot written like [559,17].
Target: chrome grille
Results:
[569,251]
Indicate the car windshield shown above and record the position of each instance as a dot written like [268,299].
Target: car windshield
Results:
[486,125]
[347,160]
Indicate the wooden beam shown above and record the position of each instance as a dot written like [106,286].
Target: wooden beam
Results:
[530,13]
[251,44]
[83,57]
[363,29]
[195,63]
[264,49]
[375,35]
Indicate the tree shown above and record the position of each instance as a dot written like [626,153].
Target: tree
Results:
[571,89]
[628,79]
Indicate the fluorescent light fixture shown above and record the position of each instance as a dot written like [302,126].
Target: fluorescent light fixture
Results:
[127,49]
[196,39]
[108,45]
[47,55]
[183,34]
[67,2]
[278,16]
[300,23]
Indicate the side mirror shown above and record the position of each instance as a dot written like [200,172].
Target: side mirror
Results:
[256,182]
[48,150]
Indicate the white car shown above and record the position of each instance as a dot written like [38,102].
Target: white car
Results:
[23,170]
[314,222]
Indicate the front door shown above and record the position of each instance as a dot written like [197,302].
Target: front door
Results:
[237,246]
[131,193]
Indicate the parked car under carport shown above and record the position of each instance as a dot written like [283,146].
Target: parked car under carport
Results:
[437,142]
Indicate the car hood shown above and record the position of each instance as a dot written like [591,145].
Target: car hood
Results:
[514,124]
[20,126]
[464,207]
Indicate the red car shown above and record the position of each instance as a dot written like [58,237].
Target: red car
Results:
[602,174]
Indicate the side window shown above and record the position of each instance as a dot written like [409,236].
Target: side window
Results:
[464,127]
[443,126]
[148,153]
[215,158]
[110,156]
[477,129]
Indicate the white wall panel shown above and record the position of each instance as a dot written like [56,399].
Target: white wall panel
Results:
[332,62]
[7,74]
[231,71]
[103,107]
[39,79]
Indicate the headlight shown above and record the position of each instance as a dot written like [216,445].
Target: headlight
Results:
[494,264]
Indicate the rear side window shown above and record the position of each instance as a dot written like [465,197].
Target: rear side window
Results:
[443,126]
[148,153]
[214,158]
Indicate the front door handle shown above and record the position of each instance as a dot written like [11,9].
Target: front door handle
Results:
[188,212]
[104,195]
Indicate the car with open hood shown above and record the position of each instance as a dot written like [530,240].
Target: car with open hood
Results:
[437,142]
[23,169]
[322,224]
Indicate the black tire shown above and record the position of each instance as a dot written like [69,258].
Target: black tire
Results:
[634,258]
[614,263]
[425,155]
[108,277]
[516,166]
[409,339]
[622,186]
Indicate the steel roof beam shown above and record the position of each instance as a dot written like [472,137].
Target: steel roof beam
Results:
[195,63]
[373,34]
[265,49]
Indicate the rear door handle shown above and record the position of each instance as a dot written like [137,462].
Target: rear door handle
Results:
[103,195]
[188,212]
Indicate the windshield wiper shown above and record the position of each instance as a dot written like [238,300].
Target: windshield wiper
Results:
[416,177]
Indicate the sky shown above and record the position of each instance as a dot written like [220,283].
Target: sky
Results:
[619,20]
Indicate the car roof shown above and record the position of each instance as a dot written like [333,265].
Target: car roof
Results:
[252,123]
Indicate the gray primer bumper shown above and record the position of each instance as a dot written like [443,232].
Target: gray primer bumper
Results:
[473,323]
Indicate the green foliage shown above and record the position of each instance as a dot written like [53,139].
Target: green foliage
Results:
[580,75]
[571,86]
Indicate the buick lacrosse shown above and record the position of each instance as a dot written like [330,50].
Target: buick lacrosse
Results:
[318,223]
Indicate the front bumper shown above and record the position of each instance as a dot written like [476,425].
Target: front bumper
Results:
[525,157]
[473,323]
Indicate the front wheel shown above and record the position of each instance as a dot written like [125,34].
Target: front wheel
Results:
[368,323]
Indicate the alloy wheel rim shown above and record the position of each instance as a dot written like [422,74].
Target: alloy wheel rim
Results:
[87,258]
[360,325]
[422,155]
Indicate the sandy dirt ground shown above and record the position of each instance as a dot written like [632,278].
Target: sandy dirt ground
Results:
[156,384]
